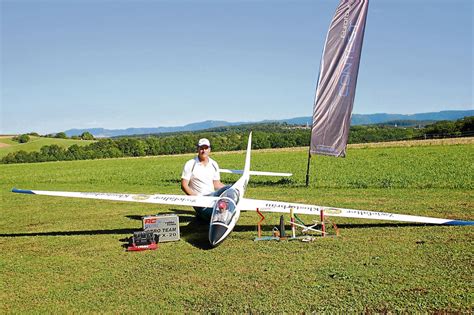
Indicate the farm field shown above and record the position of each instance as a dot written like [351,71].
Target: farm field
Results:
[65,255]
[7,145]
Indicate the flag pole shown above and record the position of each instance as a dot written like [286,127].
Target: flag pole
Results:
[307,168]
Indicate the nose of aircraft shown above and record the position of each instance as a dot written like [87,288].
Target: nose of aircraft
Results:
[216,234]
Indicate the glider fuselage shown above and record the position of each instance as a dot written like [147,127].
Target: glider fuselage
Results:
[226,211]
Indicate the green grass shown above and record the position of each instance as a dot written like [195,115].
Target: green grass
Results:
[65,255]
[36,143]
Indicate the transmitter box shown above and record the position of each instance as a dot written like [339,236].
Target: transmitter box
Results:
[165,225]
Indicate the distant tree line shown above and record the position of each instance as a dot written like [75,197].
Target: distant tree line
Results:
[231,139]
[60,135]
[449,128]
[24,138]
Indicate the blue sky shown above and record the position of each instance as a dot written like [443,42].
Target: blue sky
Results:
[148,63]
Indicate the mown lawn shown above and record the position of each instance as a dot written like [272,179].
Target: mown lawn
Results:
[65,255]
[36,143]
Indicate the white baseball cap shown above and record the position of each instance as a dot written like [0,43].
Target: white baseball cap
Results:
[204,141]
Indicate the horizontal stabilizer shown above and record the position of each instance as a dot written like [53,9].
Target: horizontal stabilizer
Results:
[223,170]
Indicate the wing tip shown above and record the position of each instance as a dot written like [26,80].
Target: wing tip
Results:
[459,222]
[22,191]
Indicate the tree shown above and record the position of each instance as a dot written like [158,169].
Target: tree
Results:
[105,148]
[17,157]
[466,125]
[76,152]
[22,138]
[61,135]
[53,152]
[132,147]
[86,135]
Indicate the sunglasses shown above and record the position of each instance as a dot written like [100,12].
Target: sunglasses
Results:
[203,147]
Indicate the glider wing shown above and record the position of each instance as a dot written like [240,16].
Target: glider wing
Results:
[181,200]
[298,208]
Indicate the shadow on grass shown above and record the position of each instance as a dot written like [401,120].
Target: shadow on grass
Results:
[381,225]
[269,227]
[196,233]
[184,215]
[71,233]
[134,217]
[172,181]
[280,182]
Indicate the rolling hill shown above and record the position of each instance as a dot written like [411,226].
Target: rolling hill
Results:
[7,145]
[357,119]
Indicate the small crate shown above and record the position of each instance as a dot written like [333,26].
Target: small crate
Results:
[165,225]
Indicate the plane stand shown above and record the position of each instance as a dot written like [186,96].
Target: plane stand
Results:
[259,231]
[278,234]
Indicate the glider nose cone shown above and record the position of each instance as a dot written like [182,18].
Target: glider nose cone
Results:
[216,234]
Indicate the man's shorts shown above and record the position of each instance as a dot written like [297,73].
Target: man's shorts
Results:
[206,213]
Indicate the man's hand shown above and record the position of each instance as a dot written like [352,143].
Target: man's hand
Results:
[217,184]
[185,187]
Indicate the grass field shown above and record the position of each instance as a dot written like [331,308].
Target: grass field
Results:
[65,255]
[36,143]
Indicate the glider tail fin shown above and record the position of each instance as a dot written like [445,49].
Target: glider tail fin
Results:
[247,157]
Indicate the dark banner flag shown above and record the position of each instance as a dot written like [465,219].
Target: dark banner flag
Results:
[337,79]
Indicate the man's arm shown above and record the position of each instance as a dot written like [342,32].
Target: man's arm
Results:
[186,177]
[185,187]
[217,178]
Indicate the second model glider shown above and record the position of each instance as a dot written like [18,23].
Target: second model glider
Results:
[227,206]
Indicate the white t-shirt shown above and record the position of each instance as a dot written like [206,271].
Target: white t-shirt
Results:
[201,177]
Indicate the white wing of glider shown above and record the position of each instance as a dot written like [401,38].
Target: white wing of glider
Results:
[224,170]
[298,208]
[249,205]
[181,200]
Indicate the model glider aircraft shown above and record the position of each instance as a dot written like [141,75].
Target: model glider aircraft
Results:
[227,206]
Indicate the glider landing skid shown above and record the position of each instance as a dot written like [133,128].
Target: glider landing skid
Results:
[308,232]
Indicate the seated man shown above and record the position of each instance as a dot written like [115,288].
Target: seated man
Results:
[201,177]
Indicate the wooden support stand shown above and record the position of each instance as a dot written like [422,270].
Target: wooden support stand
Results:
[259,224]
[323,226]
[279,236]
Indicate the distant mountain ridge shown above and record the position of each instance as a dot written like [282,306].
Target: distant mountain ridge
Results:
[357,119]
